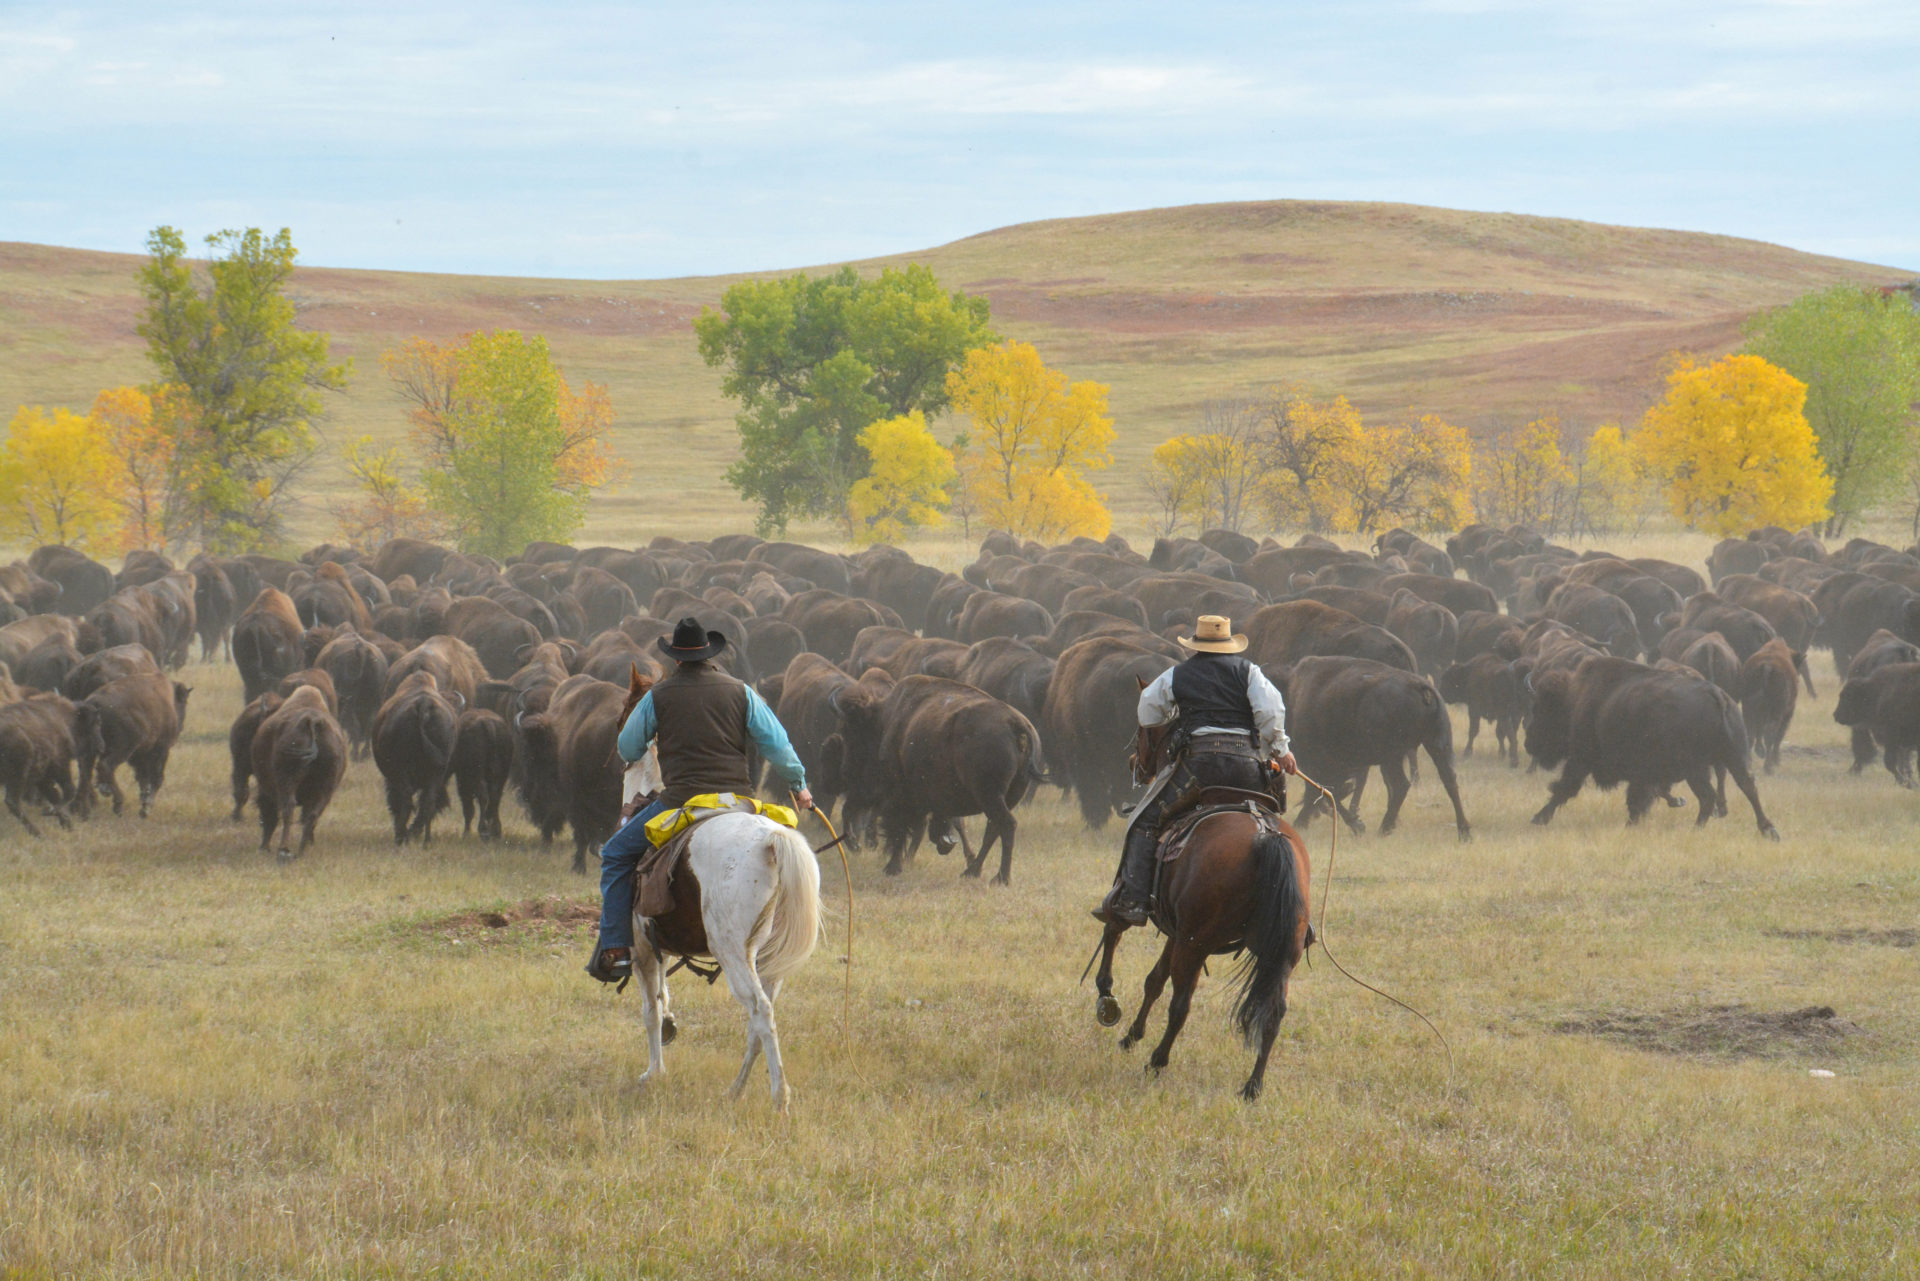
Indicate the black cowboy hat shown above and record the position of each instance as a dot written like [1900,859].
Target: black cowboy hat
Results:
[691,643]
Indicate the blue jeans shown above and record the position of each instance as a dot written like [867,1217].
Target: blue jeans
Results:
[617,859]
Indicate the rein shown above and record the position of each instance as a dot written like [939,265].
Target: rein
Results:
[1326,892]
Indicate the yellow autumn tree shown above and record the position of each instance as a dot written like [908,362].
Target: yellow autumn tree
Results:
[1303,442]
[1520,475]
[1209,476]
[1731,446]
[1032,437]
[1415,473]
[139,427]
[388,506]
[908,484]
[58,482]
[1611,494]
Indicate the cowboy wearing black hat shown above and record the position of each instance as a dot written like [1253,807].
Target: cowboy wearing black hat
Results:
[1233,721]
[701,720]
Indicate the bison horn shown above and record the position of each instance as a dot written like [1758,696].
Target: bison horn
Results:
[833,701]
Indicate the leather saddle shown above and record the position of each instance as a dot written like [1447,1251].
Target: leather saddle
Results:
[1264,809]
[654,874]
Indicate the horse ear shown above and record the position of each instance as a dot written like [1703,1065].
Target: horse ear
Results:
[1141,681]
[633,677]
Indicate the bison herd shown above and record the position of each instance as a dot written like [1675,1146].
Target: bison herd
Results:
[918,698]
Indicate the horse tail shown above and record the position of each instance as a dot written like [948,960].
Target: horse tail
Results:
[795,909]
[1279,906]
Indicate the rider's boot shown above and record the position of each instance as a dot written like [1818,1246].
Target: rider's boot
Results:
[1126,903]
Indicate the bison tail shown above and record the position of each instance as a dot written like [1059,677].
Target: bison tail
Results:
[1036,767]
[1278,912]
[795,909]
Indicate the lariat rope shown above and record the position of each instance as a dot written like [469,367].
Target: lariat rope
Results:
[1326,892]
[839,842]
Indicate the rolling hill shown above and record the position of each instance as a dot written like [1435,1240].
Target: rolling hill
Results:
[1479,317]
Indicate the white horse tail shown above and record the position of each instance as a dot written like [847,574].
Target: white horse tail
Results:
[795,908]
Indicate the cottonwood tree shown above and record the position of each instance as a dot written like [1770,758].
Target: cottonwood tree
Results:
[1209,476]
[250,379]
[509,453]
[1732,448]
[1032,437]
[388,505]
[1520,475]
[814,360]
[140,427]
[1858,352]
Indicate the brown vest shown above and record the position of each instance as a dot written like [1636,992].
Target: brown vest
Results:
[700,728]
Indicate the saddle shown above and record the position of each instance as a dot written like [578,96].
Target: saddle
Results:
[653,875]
[1266,812]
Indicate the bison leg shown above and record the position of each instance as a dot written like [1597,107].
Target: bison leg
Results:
[1186,976]
[1473,732]
[466,811]
[1563,789]
[1441,754]
[400,806]
[1005,825]
[1395,777]
[1863,748]
[1640,795]
[109,784]
[269,808]
[1150,992]
[14,808]
[1700,783]
[242,775]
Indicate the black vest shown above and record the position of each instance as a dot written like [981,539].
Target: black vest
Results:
[1212,692]
[700,718]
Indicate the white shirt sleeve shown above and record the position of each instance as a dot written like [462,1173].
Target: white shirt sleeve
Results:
[1269,712]
[1157,705]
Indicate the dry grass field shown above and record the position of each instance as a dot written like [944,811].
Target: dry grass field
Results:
[380,1062]
[1481,317]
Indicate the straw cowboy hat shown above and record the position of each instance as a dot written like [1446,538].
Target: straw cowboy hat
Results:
[1211,637]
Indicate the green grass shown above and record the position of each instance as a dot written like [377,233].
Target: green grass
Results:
[1477,316]
[215,1065]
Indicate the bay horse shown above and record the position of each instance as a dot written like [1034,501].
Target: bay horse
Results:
[1235,888]
[747,895]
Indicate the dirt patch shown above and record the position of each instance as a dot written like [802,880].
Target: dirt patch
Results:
[1878,938]
[1719,1031]
[551,915]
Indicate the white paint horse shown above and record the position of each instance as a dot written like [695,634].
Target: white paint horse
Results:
[759,917]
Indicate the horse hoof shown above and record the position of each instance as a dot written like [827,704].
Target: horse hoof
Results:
[668,1030]
[1107,1011]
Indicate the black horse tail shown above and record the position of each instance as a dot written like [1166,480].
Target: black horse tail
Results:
[1279,905]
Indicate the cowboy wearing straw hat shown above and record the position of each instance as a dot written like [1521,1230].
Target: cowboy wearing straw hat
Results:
[702,721]
[1233,721]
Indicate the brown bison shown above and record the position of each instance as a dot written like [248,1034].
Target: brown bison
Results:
[938,750]
[1346,716]
[1795,618]
[359,672]
[1494,690]
[1769,687]
[1281,635]
[572,770]
[413,750]
[1886,704]
[1617,721]
[813,693]
[84,582]
[1089,720]
[1429,631]
[135,721]
[1012,671]
[455,667]
[1882,649]
[299,756]
[215,606]
[996,614]
[482,763]
[266,642]
[1457,594]
[38,747]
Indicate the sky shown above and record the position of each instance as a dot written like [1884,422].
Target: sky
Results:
[645,140]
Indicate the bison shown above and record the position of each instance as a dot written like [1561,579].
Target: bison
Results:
[38,745]
[1886,704]
[413,750]
[1494,690]
[1882,649]
[1089,720]
[1769,687]
[299,755]
[1617,721]
[134,720]
[1281,635]
[266,642]
[359,673]
[482,763]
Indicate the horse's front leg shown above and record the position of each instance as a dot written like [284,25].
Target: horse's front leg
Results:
[1156,982]
[1106,1010]
[650,971]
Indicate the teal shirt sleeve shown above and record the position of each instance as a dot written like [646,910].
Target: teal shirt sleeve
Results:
[770,736]
[639,730]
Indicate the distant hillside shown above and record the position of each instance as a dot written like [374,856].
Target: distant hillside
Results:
[1475,316]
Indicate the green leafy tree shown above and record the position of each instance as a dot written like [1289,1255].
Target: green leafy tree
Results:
[1858,352]
[249,378]
[814,360]
[509,452]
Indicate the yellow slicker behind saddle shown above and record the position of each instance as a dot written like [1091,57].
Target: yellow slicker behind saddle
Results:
[671,833]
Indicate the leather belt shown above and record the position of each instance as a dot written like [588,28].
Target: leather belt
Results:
[1234,744]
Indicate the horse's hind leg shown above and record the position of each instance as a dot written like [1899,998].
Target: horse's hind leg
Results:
[651,974]
[1155,984]
[1186,976]
[1268,1031]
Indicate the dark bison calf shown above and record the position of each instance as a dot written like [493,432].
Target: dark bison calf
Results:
[1348,715]
[37,749]
[1617,721]
[1769,690]
[482,763]
[1494,691]
[413,750]
[299,756]
[134,721]
[1882,649]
